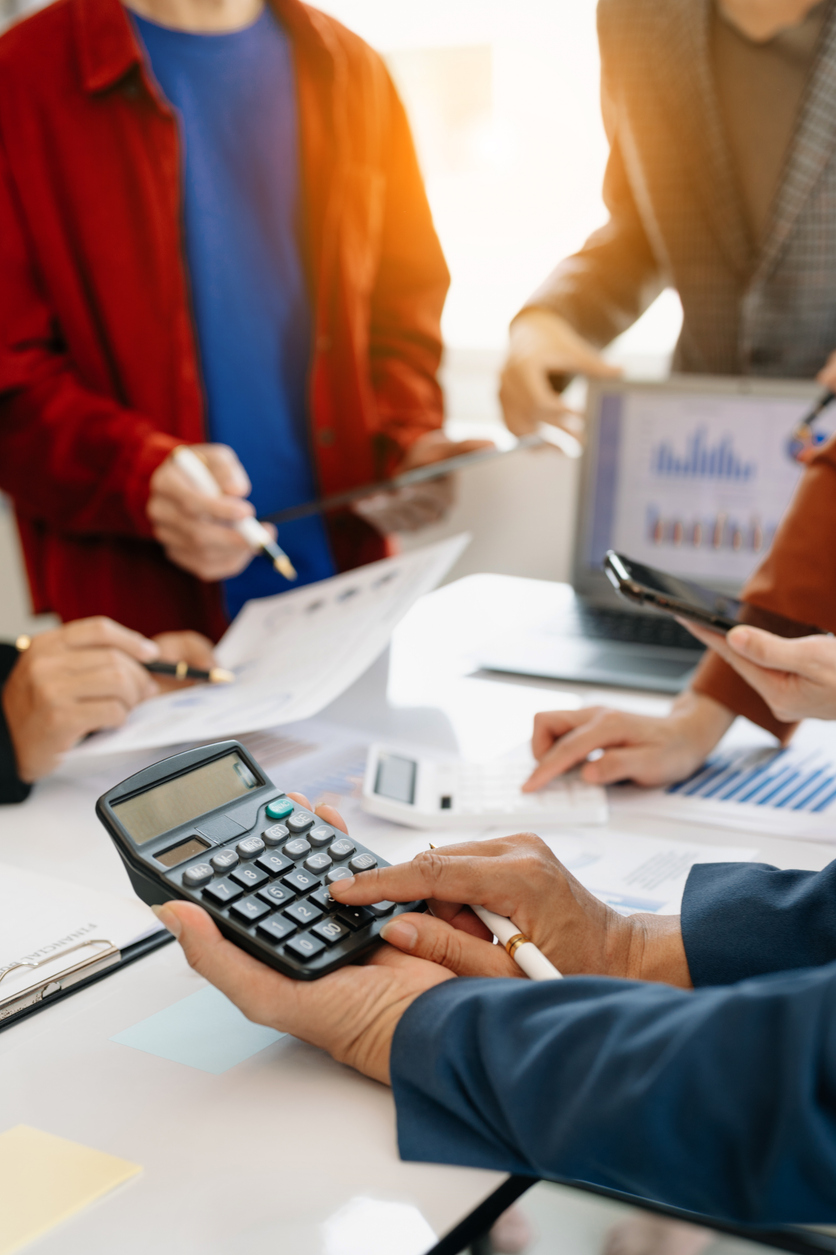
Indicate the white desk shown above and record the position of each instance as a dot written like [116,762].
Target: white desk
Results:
[269,1155]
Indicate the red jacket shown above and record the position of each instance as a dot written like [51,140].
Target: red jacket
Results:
[99,375]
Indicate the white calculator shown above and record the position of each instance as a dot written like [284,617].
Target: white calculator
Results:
[423,792]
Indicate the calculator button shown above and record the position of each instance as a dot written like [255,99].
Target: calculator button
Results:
[305,946]
[337,873]
[273,863]
[222,891]
[199,874]
[223,860]
[276,928]
[300,881]
[250,910]
[248,876]
[297,848]
[320,835]
[354,916]
[303,913]
[342,848]
[276,895]
[318,862]
[379,909]
[280,808]
[250,846]
[276,835]
[363,862]
[323,898]
[299,821]
[331,931]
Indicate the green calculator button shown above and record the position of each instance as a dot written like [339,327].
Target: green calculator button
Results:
[280,808]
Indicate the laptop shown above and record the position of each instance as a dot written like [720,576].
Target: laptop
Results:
[691,475]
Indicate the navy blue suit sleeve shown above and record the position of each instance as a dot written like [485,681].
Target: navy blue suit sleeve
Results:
[746,919]
[721,1101]
[12,788]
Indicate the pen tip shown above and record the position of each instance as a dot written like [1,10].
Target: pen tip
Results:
[219,675]
[285,567]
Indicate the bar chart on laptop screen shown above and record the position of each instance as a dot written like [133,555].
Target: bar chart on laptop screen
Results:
[702,480]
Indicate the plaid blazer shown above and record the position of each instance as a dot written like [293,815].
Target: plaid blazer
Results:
[763,307]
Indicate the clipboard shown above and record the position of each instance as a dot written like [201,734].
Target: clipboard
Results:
[546,436]
[89,968]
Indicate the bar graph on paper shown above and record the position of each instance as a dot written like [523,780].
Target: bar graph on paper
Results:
[781,792]
[778,779]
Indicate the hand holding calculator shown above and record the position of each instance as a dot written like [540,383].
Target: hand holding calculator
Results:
[209,827]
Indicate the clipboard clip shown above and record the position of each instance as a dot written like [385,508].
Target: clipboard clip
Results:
[63,979]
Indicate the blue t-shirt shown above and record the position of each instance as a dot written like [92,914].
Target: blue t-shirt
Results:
[234,97]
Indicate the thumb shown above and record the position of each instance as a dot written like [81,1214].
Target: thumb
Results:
[425,937]
[776,653]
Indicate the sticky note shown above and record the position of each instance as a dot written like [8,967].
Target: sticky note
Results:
[204,1031]
[45,1179]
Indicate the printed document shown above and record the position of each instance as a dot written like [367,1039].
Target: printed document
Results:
[291,654]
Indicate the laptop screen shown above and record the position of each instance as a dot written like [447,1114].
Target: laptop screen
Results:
[688,477]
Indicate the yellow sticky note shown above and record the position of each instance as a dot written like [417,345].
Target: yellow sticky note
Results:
[44,1179]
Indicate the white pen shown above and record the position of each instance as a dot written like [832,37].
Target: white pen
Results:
[256,535]
[524,952]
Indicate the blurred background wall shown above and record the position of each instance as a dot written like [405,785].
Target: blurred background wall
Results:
[503,100]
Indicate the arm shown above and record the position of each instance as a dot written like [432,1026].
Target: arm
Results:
[792,580]
[12,788]
[720,1102]
[68,455]
[746,919]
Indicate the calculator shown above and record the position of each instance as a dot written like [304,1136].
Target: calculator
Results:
[209,826]
[423,792]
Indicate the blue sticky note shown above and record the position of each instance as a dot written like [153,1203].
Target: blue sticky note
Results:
[204,1031]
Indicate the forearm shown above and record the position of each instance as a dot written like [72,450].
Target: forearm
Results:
[77,460]
[680,1097]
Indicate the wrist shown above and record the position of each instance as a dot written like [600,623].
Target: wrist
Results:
[656,951]
[705,719]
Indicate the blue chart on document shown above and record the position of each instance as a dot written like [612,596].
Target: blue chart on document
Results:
[787,792]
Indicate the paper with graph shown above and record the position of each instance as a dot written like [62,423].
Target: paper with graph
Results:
[291,654]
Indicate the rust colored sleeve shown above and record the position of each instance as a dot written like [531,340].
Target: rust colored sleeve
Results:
[797,578]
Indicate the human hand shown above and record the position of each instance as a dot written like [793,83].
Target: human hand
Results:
[189,647]
[195,530]
[352,1013]
[542,343]
[414,507]
[71,681]
[795,677]
[643,748]
[520,878]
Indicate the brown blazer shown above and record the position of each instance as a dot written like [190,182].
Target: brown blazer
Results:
[797,578]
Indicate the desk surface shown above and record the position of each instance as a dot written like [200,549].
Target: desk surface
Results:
[286,1150]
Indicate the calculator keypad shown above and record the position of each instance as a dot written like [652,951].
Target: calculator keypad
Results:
[275,881]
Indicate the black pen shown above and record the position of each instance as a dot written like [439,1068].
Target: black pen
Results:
[182,671]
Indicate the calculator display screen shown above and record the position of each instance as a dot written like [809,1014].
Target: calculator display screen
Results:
[185,798]
[186,849]
[395,778]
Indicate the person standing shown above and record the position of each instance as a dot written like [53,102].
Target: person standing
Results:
[213,232]
[721,173]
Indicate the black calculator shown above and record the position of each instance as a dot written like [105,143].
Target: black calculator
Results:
[209,826]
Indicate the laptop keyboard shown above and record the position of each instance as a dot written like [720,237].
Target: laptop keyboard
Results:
[602,624]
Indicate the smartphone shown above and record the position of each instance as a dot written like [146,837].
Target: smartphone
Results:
[645,586]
